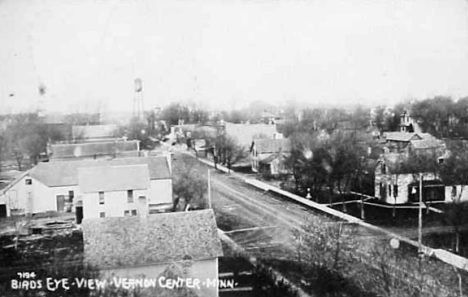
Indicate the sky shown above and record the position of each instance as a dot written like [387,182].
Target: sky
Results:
[226,54]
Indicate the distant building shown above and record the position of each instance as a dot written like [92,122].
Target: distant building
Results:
[54,186]
[94,133]
[408,124]
[246,133]
[393,184]
[94,150]
[268,155]
[404,142]
[170,245]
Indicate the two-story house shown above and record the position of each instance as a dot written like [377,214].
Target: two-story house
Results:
[54,186]
[267,155]
[114,191]
[184,243]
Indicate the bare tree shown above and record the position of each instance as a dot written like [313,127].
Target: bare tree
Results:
[189,187]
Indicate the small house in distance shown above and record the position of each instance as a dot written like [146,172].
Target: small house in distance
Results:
[268,155]
[147,247]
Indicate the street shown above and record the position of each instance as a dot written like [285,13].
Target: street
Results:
[263,224]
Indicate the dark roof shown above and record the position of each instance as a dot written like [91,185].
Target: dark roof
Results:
[80,150]
[152,240]
[272,145]
[65,173]
[113,178]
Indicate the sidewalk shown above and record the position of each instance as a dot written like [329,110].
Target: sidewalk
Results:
[442,255]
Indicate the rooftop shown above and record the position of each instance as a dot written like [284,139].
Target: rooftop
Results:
[154,240]
[272,145]
[113,178]
[63,151]
[65,173]
[401,136]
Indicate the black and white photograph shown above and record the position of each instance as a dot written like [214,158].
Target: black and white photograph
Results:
[234,148]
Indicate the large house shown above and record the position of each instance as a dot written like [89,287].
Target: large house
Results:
[395,184]
[55,186]
[94,150]
[267,155]
[184,243]
[115,191]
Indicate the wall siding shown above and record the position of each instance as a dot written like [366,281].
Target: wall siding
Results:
[35,198]
[160,191]
[115,204]
[402,180]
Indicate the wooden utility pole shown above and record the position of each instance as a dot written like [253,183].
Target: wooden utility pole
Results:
[209,188]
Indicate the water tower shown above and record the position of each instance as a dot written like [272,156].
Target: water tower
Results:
[138,107]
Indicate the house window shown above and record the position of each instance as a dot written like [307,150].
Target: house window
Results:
[101,197]
[454,191]
[102,214]
[395,190]
[28,181]
[390,190]
[134,212]
[130,196]
[127,213]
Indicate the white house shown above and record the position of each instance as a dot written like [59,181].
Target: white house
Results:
[114,191]
[185,244]
[54,186]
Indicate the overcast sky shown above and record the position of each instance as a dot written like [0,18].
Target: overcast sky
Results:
[222,53]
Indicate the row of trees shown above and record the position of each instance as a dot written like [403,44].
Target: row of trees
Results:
[26,137]
[441,116]
[335,162]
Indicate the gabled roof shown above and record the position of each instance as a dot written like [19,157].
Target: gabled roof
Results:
[65,173]
[113,178]
[63,151]
[152,240]
[401,136]
[267,159]
[94,131]
[272,145]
